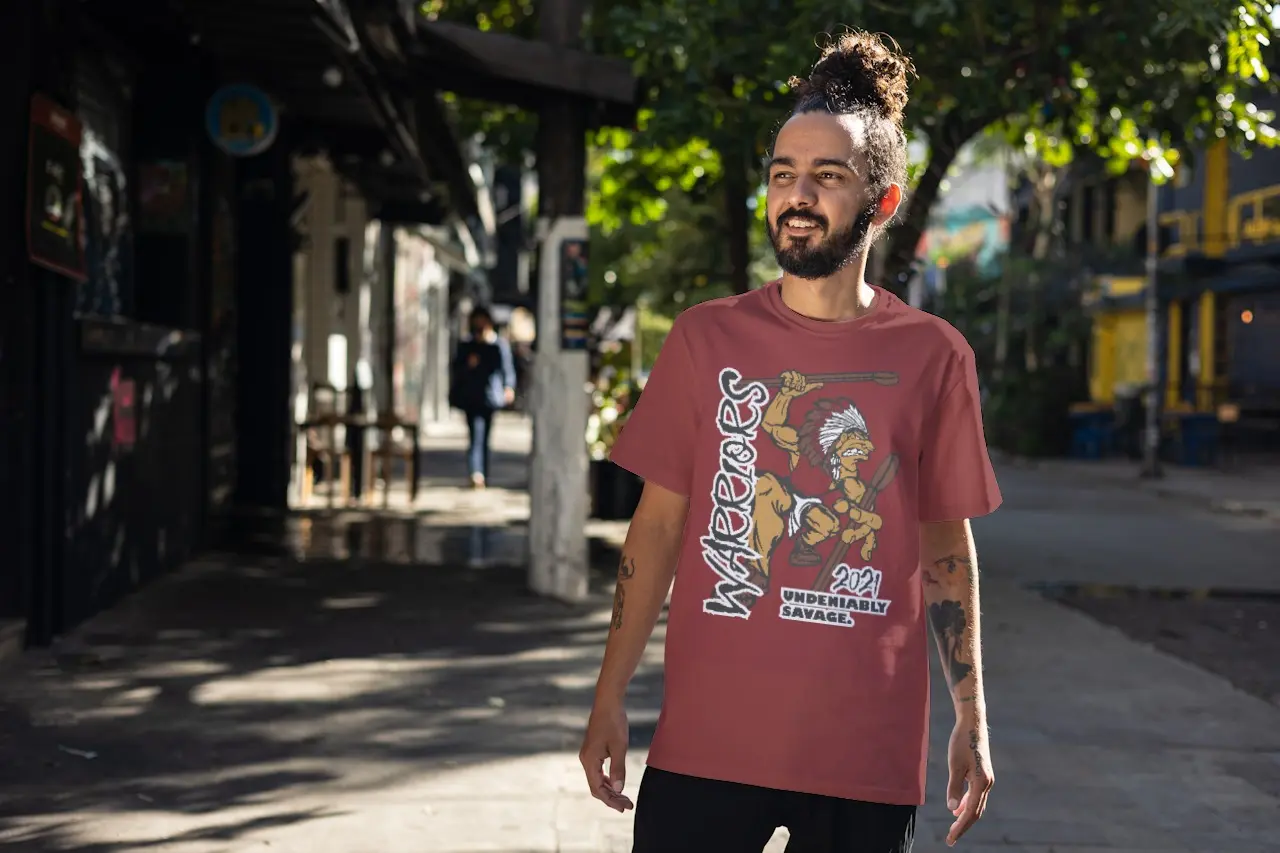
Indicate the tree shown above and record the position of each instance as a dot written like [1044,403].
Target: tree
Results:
[1128,80]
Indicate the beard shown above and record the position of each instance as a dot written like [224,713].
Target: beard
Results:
[813,260]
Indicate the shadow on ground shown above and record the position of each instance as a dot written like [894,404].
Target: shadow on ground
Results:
[256,675]
[1233,635]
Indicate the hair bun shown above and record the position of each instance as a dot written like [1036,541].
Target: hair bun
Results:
[859,70]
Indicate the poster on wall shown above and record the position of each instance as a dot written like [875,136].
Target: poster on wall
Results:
[55,198]
[574,322]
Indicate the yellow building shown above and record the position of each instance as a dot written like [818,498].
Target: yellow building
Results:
[1219,288]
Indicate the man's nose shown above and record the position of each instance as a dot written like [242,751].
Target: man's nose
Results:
[802,193]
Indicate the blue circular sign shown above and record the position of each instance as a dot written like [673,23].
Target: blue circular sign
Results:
[241,120]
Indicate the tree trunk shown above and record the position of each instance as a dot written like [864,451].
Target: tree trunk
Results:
[900,251]
[903,240]
[1004,299]
[1046,185]
[737,218]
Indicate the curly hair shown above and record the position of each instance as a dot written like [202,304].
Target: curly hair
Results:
[864,75]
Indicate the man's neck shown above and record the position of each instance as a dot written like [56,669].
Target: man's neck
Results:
[843,296]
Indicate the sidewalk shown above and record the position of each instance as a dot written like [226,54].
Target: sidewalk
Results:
[380,686]
[1254,491]
[254,705]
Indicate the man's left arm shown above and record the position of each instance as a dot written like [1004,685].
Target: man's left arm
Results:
[949,572]
[508,371]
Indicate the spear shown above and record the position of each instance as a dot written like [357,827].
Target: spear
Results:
[881,377]
[879,482]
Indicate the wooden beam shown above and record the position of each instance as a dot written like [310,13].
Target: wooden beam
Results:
[465,55]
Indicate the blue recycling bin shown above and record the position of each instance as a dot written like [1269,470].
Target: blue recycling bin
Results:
[1198,439]
[1091,433]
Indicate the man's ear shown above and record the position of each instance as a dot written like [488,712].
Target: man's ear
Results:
[889,201]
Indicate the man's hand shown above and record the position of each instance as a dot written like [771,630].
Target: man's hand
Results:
[606,737]
[508,395]
[969,759]
[795,384]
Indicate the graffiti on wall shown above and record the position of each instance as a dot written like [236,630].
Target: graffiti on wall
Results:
[107,231]
[975,235]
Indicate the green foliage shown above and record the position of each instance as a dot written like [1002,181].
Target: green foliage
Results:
[506,130]
[1030,395]
[670,262]
[1144,79]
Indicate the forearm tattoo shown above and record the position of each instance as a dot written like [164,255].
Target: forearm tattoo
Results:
[626,571]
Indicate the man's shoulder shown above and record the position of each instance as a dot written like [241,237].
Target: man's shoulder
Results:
[931,332]
[721,309]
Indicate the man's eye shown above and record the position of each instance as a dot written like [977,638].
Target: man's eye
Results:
[829,176]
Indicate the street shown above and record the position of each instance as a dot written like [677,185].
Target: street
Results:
[390,686]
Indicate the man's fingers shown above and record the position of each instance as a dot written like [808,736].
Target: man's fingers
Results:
[955,789]
[983,794]
[618,771]
[606,788]
[594,768]
[968,817]
[971,808]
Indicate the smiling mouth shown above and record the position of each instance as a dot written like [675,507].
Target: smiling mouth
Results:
[801,226]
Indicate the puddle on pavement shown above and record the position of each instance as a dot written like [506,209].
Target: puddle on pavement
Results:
[385,539]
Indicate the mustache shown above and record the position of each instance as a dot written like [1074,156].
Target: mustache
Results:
[798,214]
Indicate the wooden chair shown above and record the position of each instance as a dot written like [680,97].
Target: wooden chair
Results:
[397,442]
[325,439]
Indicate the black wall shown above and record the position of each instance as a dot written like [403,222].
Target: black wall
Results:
[89,512]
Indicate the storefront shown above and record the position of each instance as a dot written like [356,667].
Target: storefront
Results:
[147,277]
[108,281]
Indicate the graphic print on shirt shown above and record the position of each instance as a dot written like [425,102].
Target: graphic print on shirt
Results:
[807,506]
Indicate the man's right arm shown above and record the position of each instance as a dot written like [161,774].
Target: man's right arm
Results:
[645,573]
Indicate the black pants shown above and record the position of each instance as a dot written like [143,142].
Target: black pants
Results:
[685,814]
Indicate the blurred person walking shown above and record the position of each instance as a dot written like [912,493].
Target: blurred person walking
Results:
[812,453]
[482,381]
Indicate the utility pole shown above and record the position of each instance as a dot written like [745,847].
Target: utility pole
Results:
[1151,467]
[558,494]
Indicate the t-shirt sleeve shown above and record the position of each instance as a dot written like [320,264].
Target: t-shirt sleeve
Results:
[956,477]
[657,441]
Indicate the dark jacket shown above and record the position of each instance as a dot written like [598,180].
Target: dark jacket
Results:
[480,373]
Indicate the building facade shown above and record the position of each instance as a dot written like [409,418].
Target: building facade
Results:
[155,166]
[1218,280]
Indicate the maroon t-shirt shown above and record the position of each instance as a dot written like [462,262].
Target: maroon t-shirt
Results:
[797,650]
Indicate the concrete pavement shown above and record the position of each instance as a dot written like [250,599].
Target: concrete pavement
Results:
[1248,489]
[1057,526]
[376,686]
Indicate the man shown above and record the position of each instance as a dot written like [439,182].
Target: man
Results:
[812,452]
[482,382]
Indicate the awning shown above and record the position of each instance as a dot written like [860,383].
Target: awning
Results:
[1247,277]
[317,59]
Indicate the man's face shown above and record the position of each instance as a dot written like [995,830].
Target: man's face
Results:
[849,450]
[819,209]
